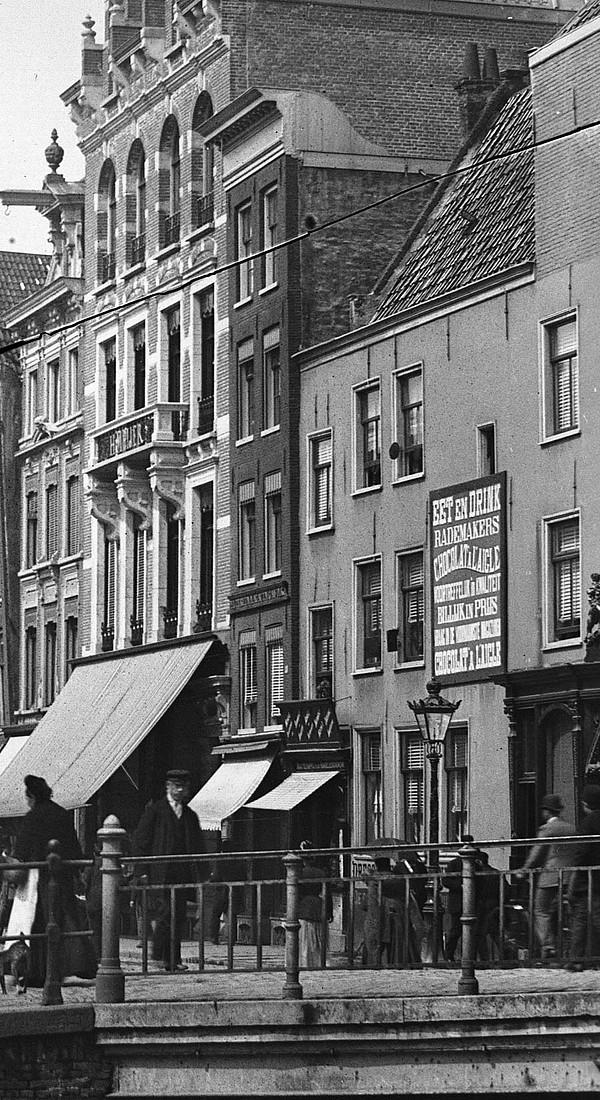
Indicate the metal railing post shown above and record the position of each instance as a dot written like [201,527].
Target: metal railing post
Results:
[110,979]
[51,994]
[292,990]
[467,983]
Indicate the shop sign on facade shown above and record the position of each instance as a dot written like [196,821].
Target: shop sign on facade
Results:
[467,526]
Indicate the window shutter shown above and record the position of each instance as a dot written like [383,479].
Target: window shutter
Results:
[415,754]
[322,495]
[250,688]
[140,579]
[246,491]
[372,753]
[415,757]
[273,483]
[111,582]
[564,396]
[564,338]
[276,675]
[52,520]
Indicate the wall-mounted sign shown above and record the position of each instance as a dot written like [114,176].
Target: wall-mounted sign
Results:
[467,529]
[276,593]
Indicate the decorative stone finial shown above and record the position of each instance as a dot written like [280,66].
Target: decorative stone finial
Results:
[54,153]
[88,34]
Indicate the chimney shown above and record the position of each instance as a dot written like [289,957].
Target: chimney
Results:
[474,88]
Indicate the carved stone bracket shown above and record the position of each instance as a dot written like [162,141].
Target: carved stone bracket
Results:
[170,488]
[133,493]
[104,507]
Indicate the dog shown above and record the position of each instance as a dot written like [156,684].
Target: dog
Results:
[15,960]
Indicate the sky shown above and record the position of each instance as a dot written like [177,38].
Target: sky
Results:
[41,57]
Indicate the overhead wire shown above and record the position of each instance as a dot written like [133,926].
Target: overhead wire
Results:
[429,181]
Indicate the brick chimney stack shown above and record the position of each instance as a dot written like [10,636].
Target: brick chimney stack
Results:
[474,88]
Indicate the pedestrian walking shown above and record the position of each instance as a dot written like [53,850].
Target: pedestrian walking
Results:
[552,859]
[584,854]
[169,828]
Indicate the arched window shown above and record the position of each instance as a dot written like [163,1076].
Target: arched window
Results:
[135,204]
[107,222]
[202,165]
[169,183]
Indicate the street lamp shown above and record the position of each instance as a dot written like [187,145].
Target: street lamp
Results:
[433,716]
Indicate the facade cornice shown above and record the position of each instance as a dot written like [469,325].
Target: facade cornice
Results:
[62,288]
[466,9]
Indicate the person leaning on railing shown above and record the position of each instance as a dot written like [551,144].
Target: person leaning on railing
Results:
[583,855]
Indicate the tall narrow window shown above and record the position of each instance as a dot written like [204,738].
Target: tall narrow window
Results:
[139,583]
[321,481]
[139,240]
[204,606]
[169,183]
[411,607]
[409,422]
[372,792]
[457,786]
[32,530]
[73,515]
[107,222]
[30,684]
[72,398]
[269,235]
[51,520]
[368,437]
[32,400]
[207,358]
[202,165]
[273,523]
[246,389]
[368,615]
[110,379]
[173,324]
[565,579]
[413,763]
[561,377]
[321,631]
[71,631]
[275,672]
[247,531]
[138,343]
[245,277]
[248,680]
[172,579]
[110,594]
[486,450]
[53,391]
[50,664]
[272,378]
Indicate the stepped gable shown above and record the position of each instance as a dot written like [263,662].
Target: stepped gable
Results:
[585,14]
[479,223]
[21,274]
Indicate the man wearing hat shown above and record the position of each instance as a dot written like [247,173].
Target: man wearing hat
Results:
[583,855]
[552,858]
[169,828]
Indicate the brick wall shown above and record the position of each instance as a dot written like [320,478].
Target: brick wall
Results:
[47,1066]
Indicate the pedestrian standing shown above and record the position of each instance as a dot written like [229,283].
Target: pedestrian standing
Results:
[553,858]
[585,854]
[169,828]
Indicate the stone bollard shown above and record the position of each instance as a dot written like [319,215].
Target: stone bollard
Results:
[467,983]
[51,993]
[110,979]
[292,990]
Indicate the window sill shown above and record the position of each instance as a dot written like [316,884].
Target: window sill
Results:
[408,477]
[245,731]
[200,231]
[368,671]
[326,529]
[559,437]
[408,666]
[102,288]
[563,643]
[242,302]
[246,439]
[246,582]
[168,250]
[271,576]
[368,489]
[270,431]
[273,729]
[135,269]
[268,289]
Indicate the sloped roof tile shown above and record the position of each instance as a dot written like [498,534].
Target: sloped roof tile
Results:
[483,223]
[584,15]
[21,274]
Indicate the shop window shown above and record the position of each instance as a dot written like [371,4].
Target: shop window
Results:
[275,673]
[246,390]
[269,235]
[560,377]
[368,615]
[273,523]
[321,664]
[247,531]
[409,422]
[413,762]
[271,378]
[563,552]
[245,271]
[456,752]
[411,606]
[320,481]
[248,683]
[372,788]
[368,437]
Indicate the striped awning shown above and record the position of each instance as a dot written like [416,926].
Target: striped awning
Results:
[229,788]
[294,790]
[105,710]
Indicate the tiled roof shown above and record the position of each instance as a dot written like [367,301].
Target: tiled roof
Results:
[21,274]
[587,12]
[481,224]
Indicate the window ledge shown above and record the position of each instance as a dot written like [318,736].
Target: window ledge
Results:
[368,489]
[168,250]
[408,477]
[408,666]
[242,302]
[270,431]
[102,288]
[558,438]
[273,729]
[243,731]
[246,439]
[326,529]
[563,643]
[268,289]
[368,671]
[247,581]
[135,269]
[271,576]
[200,231]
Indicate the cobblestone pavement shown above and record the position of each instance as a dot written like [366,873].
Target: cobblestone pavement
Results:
[244,983]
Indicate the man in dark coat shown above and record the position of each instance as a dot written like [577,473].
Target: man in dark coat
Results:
[584,855]
[169,828]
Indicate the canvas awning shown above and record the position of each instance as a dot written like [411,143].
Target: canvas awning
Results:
[294,790]
[102,714]
[10,750]
[229,788]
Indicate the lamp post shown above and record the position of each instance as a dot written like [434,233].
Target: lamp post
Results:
[433,716]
